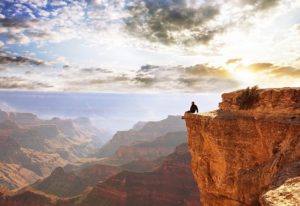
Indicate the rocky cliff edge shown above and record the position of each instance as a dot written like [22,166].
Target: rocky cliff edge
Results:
[240,154]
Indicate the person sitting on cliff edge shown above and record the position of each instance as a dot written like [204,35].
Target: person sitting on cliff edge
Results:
[193,108]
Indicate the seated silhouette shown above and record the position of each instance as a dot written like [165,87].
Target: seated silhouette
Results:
[193,108]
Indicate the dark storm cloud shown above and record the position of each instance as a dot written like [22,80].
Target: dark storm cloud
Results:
[165,21]
[8,58]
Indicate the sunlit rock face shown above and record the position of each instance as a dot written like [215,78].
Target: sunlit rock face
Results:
[286,194]
[239,154]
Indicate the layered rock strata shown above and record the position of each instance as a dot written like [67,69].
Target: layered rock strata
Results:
[239,154]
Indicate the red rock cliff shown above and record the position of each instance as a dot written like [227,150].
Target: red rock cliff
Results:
[239,154]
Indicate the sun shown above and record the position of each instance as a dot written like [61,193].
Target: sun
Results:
[244,76]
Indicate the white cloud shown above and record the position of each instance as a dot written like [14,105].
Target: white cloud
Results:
[58,3]
[148,31]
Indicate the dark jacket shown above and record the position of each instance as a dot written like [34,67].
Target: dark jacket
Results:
[194,108]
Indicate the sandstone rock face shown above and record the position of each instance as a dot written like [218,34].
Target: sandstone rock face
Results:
[286,194]
[282,101]
[239,154]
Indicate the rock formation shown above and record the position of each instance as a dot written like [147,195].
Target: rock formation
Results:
[31,148]
[67,184]
[239,154]
[169,185]
[150,150]
[172,184]
[287,194]
[142,132]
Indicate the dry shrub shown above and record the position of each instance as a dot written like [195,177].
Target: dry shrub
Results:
[248,98]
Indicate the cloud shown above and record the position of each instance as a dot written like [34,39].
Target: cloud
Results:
[14,23]
[260,67]
[286,71]
[198,78]
[274,70]
[58,3]
[262,4]
[233,61]
[184,23]
[269,71]
[8,58]
[172,22]
[94,70]
[13,82]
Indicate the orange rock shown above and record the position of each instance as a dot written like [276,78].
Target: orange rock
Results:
[238,154]
[287,194]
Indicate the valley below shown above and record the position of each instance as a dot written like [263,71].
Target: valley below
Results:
[64,162]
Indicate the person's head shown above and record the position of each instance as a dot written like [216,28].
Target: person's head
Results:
[193,103]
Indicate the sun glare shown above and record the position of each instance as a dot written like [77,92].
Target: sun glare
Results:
[243,76]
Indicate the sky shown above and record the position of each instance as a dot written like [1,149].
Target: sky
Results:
[148,46]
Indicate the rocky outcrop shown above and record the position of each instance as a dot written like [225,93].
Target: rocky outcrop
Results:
[161,146]
[239,154]
[67,184]
[23,118]
[171,184]
[28,198]
[279,102]
[31,148]
[287,194]
[142,165]
[15,176]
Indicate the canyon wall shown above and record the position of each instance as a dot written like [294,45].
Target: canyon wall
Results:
[238,155]
[172,184]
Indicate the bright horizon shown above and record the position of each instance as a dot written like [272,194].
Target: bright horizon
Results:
[148,46]
[107,111]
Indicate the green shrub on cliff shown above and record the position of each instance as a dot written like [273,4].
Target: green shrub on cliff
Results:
[248,97]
